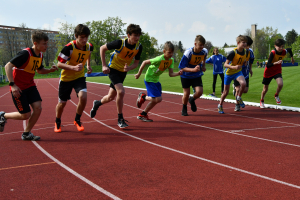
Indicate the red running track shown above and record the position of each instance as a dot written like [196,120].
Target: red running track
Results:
[252,154]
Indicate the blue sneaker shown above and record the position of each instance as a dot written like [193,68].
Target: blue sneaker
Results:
[241,102]
[2,121]
[220,109]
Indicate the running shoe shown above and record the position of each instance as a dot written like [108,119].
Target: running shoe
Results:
[220,109]
[2,121]
[79,125]
[57,128]
[30,137]
[237,107]
[144,118]
[278,101]
[122,123]
[212,95]
[240,101]
[184,111]
[96,105]
[193,105]
[262,104]
[141,99]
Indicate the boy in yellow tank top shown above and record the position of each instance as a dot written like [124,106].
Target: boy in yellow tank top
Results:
[20,72]
[72,60]
[234,62]
[125,51]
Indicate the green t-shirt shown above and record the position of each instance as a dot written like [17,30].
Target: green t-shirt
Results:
[157,67]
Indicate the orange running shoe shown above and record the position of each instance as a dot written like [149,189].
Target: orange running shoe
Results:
[79,125]
[57,130]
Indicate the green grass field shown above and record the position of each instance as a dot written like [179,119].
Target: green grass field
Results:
[289,94]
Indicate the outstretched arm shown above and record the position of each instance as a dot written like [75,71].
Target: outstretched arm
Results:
[144,63]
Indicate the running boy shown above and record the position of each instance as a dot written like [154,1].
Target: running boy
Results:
[217,61]
[273,70]
[237,57]
[71,60]
[154,91]
[246,69]
[190,64]
[125,51]
[20,72]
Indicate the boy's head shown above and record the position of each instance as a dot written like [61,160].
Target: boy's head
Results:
[40,40]
[249,41]
[199,43]
[279,45]
[216,51]
[168,49]
[241,41]
[82,33]
[133,33]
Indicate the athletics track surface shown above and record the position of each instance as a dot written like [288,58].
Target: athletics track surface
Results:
[252,154]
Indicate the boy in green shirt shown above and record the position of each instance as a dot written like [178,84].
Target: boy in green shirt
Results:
[154,91]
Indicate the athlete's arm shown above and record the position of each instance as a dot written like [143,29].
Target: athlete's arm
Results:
[291,54]
[134,65]
[103,49]
[173,74]
[76,68]
[42,70]
[144,63]
[270,64]
[88,65]
[16,91]
[203,66]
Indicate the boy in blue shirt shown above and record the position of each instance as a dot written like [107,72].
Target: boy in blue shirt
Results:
[246,69]
[154,91]
[190,64]
[217,61]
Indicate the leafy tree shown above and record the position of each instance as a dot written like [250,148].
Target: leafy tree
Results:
[296,47]
[114,28]
[290,37]
[66,34]
[180,47]
[225,45]
[248,32]
[148,47]
[208,45]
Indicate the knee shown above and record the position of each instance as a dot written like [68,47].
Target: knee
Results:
[280,85]
[25,116]
[37,109]
[158,99]
[246,90]
[121,93]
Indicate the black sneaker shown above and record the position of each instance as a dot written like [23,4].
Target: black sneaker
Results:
[122,123]
[2,121]
[96,105]
[30,137]
[184,111]
[193,105]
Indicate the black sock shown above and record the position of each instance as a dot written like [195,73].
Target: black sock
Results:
[143,113]
[77,118]
[26,133]
[120,116]
[58,122]
[184,106]
[98,103]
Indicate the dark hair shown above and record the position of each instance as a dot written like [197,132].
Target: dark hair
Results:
[81,29]
[169,46]
[241,38]
[279,42]
[214,50]
[37,36]
[133,28]
[249,41]
[200,38]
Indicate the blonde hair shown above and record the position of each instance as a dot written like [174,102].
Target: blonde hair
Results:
[201,39]
[241,38]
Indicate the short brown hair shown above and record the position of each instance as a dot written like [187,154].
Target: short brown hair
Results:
[241,38]
[38,35]
[133,28]
[200,38]
[279,42]
[81,29]
[169,46]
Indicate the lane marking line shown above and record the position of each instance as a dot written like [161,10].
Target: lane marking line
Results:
[27,166]
[4,94]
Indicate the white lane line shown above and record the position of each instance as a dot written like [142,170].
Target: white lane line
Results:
[4,94]
[193,156]
[75,173]
[220,130]
[274,127]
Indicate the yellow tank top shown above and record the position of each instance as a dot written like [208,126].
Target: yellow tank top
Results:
[238,60]
[77,56]
[122,56]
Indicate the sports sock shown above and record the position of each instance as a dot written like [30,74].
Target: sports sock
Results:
[262,100]
[120,116]
[184,106]
[143,113]
[238,97]
[77,118]
[276,95]
[58,122]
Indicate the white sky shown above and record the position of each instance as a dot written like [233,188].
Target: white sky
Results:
[219,21]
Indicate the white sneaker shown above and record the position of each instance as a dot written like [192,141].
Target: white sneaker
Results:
[278,101]
[262,104]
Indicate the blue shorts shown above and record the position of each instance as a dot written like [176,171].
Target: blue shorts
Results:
[229,78]
[153,89]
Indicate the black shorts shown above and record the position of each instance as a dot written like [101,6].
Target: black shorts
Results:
[236,83]
[267,81]
[28,96]
[194,82]
[65,88]
[116,77]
